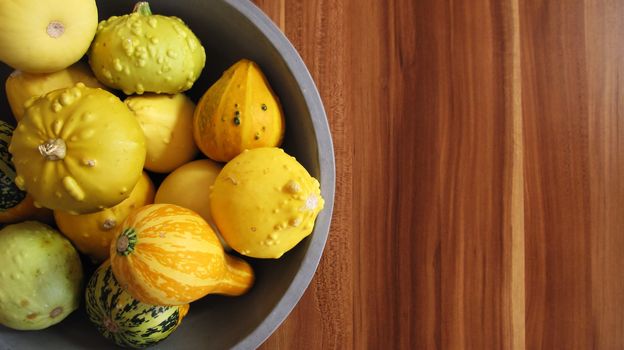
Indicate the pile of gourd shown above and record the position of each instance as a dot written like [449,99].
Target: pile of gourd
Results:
[76,162]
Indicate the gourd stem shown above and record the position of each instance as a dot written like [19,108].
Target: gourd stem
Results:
[126,242]
[55,149]
[142,8]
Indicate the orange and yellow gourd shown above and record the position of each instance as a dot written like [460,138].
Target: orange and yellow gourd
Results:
[168,255]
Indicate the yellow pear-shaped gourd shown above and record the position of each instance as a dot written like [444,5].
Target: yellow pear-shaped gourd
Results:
[141,52]
[78,149]
[20,86]
[167,121]
[92,233]
[264,202]
[240,111]
[45,36]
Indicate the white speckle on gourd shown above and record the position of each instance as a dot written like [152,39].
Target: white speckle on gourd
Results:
[55,29]
[109,224]
[311,202]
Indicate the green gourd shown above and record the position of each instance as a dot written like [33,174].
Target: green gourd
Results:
[141,52]
[41,276]
[124,320]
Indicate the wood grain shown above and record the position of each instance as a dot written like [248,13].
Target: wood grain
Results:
[480,185]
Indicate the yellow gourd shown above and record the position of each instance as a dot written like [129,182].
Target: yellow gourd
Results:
[92,233]
[240,111]
[264,202]
[189,187]
[45,36]
[20,86]
[78,149]
[167,121]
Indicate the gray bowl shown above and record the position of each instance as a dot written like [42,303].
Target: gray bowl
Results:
[230,30]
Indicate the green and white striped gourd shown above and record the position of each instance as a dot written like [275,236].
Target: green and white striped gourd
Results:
[10,195]
[125,320]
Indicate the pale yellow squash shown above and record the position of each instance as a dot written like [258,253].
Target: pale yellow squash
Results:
[167,121]
[45,36]
[20,86]
[92,233]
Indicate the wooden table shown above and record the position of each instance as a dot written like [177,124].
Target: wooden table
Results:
[480,184]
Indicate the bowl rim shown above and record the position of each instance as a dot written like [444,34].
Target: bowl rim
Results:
[325,148]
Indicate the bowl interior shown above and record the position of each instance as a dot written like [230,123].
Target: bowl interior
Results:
[229,31]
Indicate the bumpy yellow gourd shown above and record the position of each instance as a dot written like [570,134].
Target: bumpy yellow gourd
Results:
[167,121]
[240,111]
[45,36]
[92,233]
[264,202]
[20,86]
[78,150]
[142,52]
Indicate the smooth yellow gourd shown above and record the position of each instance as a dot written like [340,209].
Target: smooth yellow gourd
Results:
[20,86]
[78,149]
[240,111]
[92,233]
[167,121]
[264,202]
[45,36]
[189,187]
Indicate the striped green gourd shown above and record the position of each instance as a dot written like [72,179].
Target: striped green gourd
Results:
[10,195]
[123,319]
